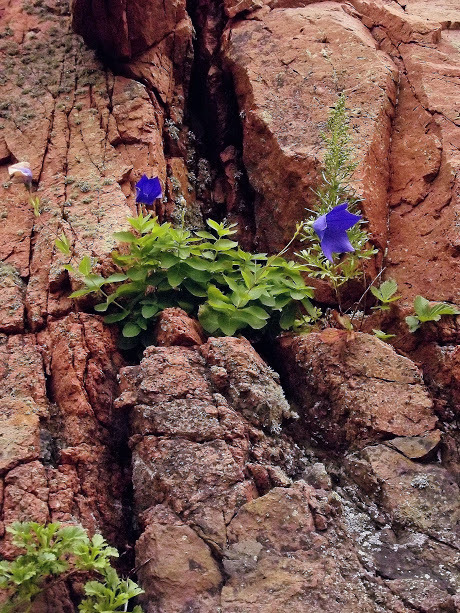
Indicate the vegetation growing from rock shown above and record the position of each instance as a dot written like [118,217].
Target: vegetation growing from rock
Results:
[54,553]
[205,273]
[339,166]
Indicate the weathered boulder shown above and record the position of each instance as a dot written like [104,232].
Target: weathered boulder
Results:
[176,566]
[354,391]
[175,327]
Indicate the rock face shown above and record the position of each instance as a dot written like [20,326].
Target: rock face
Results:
[226,522]
[287,66]
[354,391]
[330,488]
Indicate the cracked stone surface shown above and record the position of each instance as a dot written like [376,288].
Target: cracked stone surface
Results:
[356,391]
[334,487]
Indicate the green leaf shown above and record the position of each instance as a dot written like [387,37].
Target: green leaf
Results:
[195,288]
[131,330]
[198,264]
[85,266]
[422,307]
[63,244]
[101,308]
[215,226]
[137,274]
[149,310]
[116,278]
[208,318]
[413,322]
[223,244]
[258,312]
[228,325]
[176,275]
[382,335]
[215,294]
[111,319]
[81,292]
[124,237]
[167,260]
[204,234]
[288,316]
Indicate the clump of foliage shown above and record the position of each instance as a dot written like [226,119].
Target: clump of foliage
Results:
[205,273]
[54,553]
[428,311]
[339,167]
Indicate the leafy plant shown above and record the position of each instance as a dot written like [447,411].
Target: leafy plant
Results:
[205,273]
[385,294]
[339,167]
[53,553]
[428,311]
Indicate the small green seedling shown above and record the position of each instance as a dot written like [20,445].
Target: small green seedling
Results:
[383,336]
[63,244]
[385,294]
[428,311]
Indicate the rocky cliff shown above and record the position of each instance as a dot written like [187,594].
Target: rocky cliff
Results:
[325,482]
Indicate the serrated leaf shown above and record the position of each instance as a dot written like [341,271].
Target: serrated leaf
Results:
[421,306]
[208,318]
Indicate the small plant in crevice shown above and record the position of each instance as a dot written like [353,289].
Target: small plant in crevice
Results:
[53,553]
[385,294]
[336,220]
[428,311]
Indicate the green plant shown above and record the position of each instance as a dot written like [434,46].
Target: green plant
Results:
[385,294]
[339,167]
[54,553]
[205,273]
[383,336]
[428,311]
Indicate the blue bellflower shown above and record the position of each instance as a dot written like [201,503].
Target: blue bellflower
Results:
[332,230]
[148,190]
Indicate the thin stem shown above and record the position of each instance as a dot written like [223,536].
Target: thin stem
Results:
[365,292]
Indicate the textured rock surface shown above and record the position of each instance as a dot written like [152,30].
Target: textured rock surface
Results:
[288,66]
[175,327]
[232,509]
[354,391]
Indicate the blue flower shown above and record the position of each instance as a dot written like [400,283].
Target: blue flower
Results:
[332,230]
[148,190]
